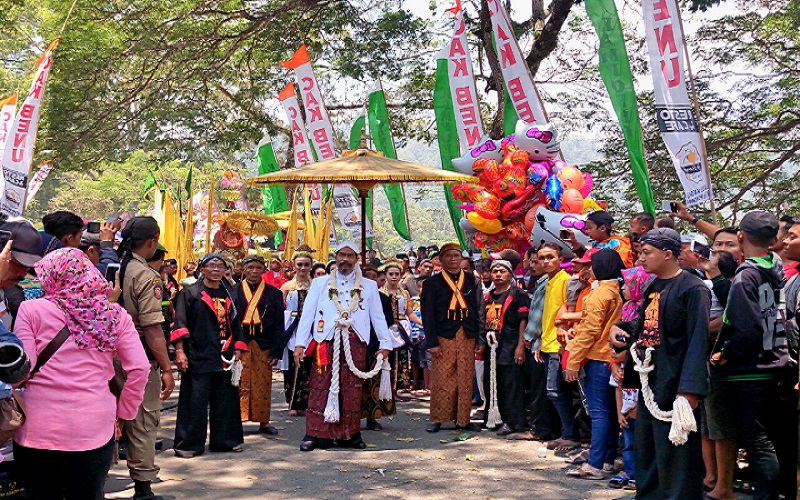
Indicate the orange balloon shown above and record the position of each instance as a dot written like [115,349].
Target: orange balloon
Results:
[487,205]
[530,217]
[571,201]
[571,178]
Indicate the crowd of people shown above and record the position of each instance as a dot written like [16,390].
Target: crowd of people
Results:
[657,361]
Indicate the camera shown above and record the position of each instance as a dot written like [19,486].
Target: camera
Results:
[14,363]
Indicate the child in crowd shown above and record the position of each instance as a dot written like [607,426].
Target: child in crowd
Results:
[420,358]
[635,281]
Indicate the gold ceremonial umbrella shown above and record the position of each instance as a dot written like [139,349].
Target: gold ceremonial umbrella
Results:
[362,168]
[251,223]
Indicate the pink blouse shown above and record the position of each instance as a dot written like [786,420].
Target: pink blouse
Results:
[69,406]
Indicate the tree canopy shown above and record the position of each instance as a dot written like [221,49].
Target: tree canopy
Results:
[166,85]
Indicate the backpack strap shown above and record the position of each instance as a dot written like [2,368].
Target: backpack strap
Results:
[49,350]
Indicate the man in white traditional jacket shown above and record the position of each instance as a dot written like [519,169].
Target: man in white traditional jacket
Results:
[334,329]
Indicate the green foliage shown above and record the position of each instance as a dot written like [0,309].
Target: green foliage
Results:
[750,111]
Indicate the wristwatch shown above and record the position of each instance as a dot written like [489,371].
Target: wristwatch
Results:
[694,220]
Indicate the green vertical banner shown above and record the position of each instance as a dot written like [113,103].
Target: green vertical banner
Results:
[510,117]
[615,69]
[447,137]
[274,196]
[381,132]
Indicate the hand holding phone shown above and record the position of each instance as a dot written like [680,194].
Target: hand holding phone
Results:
[111,272]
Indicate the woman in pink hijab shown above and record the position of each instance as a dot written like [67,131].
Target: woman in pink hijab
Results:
[65,447]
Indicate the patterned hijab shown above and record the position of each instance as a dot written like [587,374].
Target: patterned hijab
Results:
[71,281]
[636,279]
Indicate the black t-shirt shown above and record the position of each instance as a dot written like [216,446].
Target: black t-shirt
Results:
[673,320]
[515,312]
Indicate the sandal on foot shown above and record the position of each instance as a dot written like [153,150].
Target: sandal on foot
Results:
[578,458]
[618,482]
[565,445]
[586,471]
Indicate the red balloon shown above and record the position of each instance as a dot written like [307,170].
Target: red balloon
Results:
[530,217]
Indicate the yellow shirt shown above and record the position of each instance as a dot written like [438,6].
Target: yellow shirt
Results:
[554,296]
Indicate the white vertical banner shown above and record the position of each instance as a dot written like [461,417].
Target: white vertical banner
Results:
[516,73]
[320,131]
[18,152]
[674,110]
[302,149]
[37,180]
[8,109]
[462,84]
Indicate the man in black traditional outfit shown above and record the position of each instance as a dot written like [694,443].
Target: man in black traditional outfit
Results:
[453,317]
[261,307]
[208,339]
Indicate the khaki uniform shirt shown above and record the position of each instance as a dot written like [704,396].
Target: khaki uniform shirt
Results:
[142,291]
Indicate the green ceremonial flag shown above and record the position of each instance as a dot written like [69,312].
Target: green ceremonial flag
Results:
[188,186]
[615,69]
[274,196]
[355,132]
[149,182]
[381,133]
[447,137]
[510,117]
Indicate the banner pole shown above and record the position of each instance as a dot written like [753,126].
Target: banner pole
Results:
[66,19]
[696,104]
[209,213]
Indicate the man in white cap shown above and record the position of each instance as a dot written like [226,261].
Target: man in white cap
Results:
[334,329]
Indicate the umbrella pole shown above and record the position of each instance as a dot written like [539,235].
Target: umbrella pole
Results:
[363,193]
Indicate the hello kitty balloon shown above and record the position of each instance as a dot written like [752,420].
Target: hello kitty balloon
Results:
[539,140]
[486,148]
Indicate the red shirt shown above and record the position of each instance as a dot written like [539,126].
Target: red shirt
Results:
[274,279]
[791,269]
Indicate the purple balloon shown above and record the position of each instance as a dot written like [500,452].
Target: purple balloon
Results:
[538,172]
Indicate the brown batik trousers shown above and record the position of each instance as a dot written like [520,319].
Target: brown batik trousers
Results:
[255,386]
[452,373]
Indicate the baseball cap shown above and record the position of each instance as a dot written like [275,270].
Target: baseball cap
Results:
[760,223]
[88,239]
[587,256]
[27,241]
[601,218]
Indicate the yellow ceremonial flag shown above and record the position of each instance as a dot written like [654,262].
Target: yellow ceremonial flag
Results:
[309,233]
[324,230]
[290,241]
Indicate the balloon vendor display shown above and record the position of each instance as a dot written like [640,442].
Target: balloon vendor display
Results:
[518,176]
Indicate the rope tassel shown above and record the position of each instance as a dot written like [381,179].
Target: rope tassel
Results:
[341,342]
[681,415]
[493,419]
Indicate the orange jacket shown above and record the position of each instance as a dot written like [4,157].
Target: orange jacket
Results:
[601,309]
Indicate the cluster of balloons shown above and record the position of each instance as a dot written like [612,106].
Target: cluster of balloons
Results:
[517,175]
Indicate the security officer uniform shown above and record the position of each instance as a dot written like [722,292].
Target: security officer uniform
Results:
[142,291]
